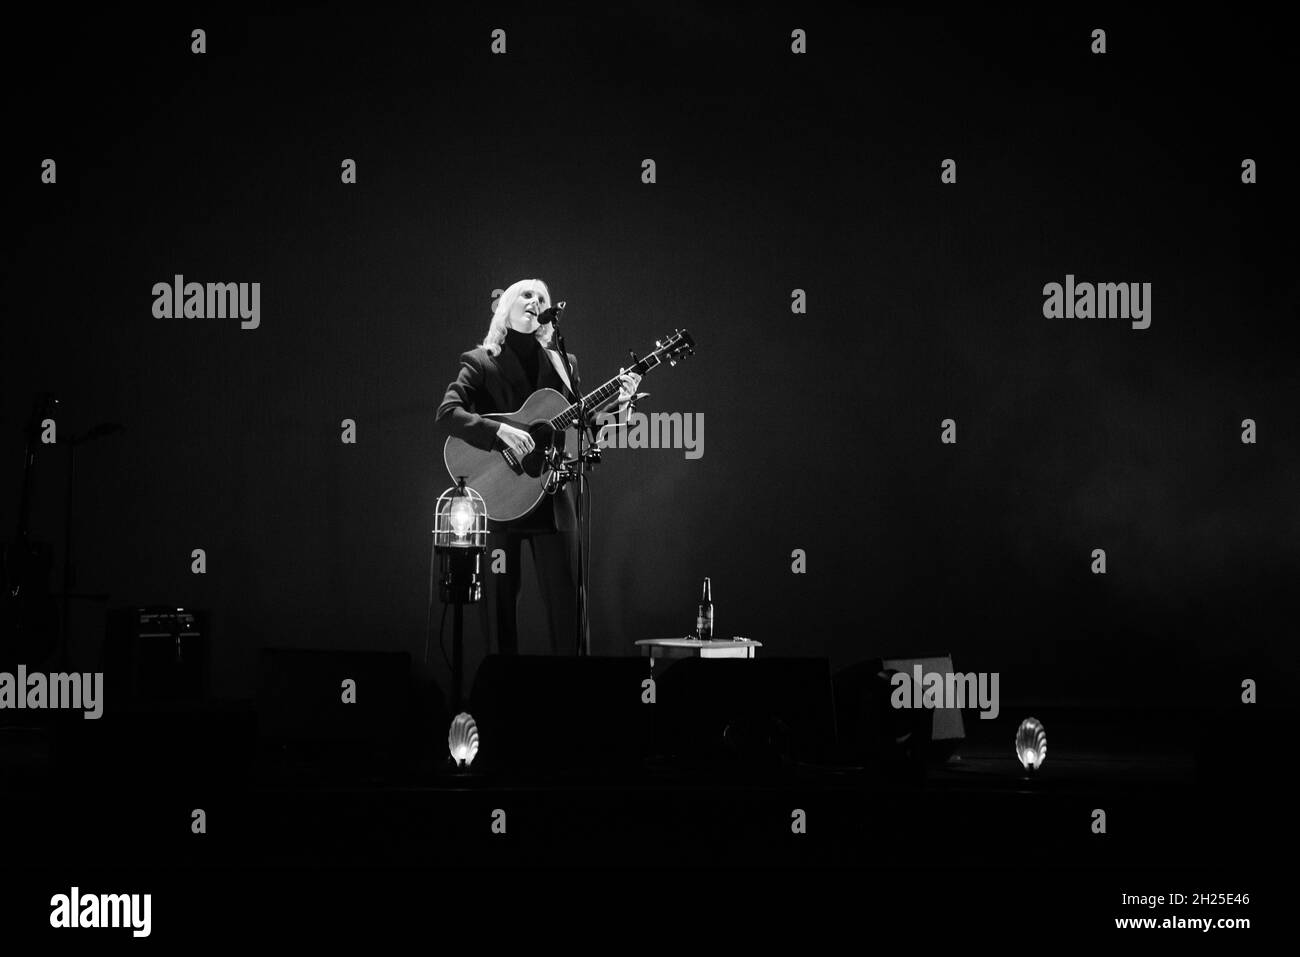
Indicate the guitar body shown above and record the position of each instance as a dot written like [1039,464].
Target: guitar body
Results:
[510,488]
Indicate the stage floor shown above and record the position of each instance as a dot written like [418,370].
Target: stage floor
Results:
[132,789]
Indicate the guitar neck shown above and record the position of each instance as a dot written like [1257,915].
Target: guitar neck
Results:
[596,398]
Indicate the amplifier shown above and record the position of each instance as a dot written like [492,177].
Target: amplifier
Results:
[156,654]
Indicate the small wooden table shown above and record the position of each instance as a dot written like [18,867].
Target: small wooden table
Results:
[692,647]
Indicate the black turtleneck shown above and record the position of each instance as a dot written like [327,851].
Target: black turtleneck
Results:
[527,350]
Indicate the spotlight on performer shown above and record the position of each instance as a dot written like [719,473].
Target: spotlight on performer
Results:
[1031,744]
[462,740]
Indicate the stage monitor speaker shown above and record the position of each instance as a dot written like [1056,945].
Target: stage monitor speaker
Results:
[540,713]
[948,730]
[303,698]
[871,728]
[760,711]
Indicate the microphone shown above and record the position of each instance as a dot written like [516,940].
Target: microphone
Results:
[551,315]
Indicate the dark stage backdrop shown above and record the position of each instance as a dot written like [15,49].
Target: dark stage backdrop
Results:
[775,172]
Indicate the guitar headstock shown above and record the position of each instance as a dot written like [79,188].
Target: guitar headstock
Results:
[679,345]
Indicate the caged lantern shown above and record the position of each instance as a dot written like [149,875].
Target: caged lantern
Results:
[459,538]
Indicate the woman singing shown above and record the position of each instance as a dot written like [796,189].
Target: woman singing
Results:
[516,359]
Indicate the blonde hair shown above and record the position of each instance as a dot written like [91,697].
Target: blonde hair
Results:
[496,333]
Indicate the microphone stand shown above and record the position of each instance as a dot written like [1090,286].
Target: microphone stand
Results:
[581,642]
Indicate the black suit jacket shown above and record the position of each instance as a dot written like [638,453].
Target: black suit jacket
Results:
[497,383]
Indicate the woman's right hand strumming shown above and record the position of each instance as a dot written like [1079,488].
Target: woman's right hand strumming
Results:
[519,442]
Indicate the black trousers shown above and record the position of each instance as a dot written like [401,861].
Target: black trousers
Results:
[555,555]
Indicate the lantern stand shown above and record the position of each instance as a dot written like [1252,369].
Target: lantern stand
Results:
[459,539]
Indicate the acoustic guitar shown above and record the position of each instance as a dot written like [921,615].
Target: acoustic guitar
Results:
[512,487]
